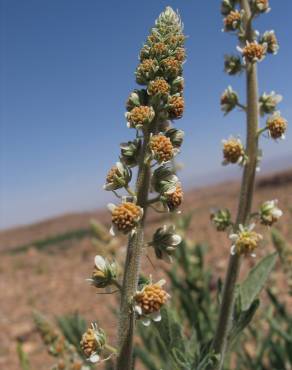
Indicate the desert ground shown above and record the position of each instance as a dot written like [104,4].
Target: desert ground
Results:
[44,266]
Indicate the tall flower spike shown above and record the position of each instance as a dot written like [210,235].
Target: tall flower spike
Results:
[149,111]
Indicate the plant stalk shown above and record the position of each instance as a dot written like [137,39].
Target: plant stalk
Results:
[132,267]
[246,195]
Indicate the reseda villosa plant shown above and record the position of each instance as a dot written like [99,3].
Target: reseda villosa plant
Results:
[149,112]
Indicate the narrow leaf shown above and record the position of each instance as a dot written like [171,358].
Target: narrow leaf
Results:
[254,283]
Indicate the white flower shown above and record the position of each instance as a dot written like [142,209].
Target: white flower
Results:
[270,213]
[148,301]
[245,241]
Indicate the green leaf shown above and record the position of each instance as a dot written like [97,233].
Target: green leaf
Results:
[243,319]
[254,283]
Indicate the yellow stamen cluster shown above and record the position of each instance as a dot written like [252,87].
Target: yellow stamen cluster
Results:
[158,50]
[171,66]
[161,147]
[247,242]
[158,87]
[89,343]
[233,150]
[147,65]
[140,115]
[180,54]
[176,40]
[176,107]
[277,127]
[174,200]
[112,173]
[151,299]
[253,51]
[233,17]
[125,216]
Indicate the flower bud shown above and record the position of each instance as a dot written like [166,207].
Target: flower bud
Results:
[232,20]
[93,342]
[253,51]
[245,241]
[161,148]
[148,302]
[177,85]
[174,199]
[277,126]
[104,272]
[270,40]
[180,54]
[270,213]
[136,98]
[260,6]
[176,107]
[233,151]
[158,87]
[232,65]
[268,103]
[164,180]
[146,71]
[118,177]
[130,152]
[165,242]
[140,116]
[227,6]
[229,100]
[221,218]
[176,137]
[125,217]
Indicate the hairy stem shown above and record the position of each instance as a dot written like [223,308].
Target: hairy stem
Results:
[246,196]
[132,267]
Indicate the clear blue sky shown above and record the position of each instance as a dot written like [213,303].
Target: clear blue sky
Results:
[67,67]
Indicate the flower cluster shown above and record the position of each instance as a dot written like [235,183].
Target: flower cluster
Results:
[125,217]
[228,100]
[233,151]
[269,212]
[93,343]
[277,126]
[149,300]
[245,241]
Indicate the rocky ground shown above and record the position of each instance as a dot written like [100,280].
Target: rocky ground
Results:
[49,276]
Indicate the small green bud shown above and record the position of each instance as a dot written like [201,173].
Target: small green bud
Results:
[269,212]
[260,6]
[130,152]
[104,272]
[118,177]
[270,40]
[221,219]
[232,65]
[176,137]
[229,100]
[164,180]
[164,242]
[227,6]
[268,103]
[136,98]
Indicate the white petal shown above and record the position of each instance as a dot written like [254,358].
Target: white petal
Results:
[138,310]
[233,250]
[253,255]
[146,322]
[161,282]
[233,237]
[156,316]
[251,226]
[176,239]
[100,263]
[113,230]
[111,207]
[94,358]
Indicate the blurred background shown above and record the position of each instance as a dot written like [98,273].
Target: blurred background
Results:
[67,68]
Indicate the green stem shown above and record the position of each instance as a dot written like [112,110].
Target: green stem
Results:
[245,200]
[132,267]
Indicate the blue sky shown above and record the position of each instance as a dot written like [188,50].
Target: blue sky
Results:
[67,67]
